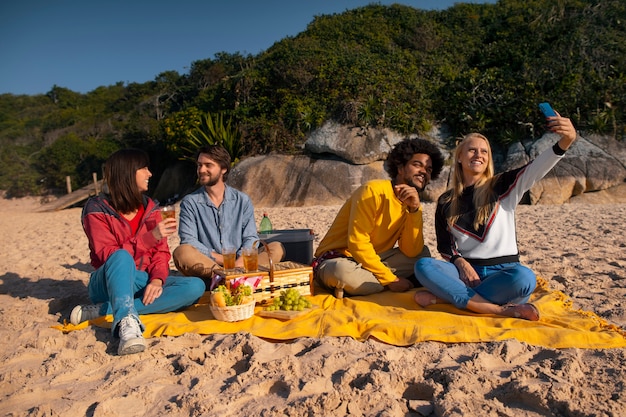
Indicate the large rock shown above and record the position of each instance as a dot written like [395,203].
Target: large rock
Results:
[176,181]
[287,181]
[356,145]
[585,167]
[593,163]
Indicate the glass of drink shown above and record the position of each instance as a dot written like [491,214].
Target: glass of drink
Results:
[229,254]
[250,259]
[168,212]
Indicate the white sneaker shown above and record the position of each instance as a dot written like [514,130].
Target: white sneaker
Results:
[131,337]
[85,312]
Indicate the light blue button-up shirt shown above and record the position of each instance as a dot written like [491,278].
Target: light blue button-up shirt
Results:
[209,228]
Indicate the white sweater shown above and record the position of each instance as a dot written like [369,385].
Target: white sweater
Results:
[495,242]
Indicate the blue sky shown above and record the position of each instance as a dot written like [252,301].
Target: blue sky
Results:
[84,44]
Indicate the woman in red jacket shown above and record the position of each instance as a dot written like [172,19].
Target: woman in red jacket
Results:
[129,250]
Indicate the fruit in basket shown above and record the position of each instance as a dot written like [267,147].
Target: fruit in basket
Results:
[218,298]
[289,300]
[224,297]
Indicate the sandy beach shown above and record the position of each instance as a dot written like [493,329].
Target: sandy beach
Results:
[580,249]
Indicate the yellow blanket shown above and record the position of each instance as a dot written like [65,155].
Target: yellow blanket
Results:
[394,318]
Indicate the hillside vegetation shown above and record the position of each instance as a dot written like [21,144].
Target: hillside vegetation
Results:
[473,67]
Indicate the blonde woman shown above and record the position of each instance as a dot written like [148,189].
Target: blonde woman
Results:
[475,226]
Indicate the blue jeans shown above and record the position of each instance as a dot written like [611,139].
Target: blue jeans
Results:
[500,284]
[120,286]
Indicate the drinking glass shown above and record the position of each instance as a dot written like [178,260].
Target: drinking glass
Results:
[250,259]
[168,212]
[230,256]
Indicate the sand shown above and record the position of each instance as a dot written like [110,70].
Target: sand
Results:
[44,269]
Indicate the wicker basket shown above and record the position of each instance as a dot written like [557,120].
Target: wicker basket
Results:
[233,313]
[278,277]
[284,275]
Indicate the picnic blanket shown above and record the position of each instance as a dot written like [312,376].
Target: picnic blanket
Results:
[394,318]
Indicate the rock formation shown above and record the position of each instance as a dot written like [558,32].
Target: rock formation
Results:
[338,159]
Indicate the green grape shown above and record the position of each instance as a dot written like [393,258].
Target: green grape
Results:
[290,300]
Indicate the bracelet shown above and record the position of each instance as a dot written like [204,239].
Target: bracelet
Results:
[454,258]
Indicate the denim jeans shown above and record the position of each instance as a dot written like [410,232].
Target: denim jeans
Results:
[120,287]
[500,284]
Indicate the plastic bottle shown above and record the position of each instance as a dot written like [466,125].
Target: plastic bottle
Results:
[266,224]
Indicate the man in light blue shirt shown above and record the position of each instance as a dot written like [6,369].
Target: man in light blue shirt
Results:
[214,217]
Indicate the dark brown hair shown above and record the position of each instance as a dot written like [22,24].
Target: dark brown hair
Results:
[120,173]
[219,155]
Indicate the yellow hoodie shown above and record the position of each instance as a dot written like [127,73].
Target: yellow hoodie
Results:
[370,222]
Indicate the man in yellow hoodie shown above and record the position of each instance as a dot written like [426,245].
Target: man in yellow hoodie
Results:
[377,235]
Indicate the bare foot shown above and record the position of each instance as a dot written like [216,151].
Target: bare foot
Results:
[425,298]
[339,290]
[521,311]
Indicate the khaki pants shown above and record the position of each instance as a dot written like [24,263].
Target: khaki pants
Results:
[191,262]
[356,280]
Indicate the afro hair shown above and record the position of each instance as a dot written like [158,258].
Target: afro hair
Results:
[404,151]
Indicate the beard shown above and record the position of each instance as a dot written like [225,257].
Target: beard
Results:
[411,183]
[208,181]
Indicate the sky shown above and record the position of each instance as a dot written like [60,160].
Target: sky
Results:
[84,44]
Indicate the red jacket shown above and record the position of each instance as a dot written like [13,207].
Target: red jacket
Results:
[108,232]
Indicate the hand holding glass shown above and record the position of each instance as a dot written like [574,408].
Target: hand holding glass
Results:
[168,212]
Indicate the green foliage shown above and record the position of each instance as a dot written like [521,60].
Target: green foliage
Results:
[179,127]
[17,176]
[474,67]
[60,160]
[73,157]
[214,130]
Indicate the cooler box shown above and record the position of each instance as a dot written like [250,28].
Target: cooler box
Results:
[298,243]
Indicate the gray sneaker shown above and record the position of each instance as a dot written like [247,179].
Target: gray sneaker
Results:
[131,337]
[85,312]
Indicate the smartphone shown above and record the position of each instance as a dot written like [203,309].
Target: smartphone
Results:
[547,110]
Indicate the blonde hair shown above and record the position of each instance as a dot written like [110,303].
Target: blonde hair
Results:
[483,190]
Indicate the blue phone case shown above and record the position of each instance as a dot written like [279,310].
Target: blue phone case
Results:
[547,110]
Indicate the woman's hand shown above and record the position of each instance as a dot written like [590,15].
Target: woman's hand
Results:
[467,274]
[164,228]
[564,128]
[153,290]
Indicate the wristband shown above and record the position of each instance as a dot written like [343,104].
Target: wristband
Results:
[454,258]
